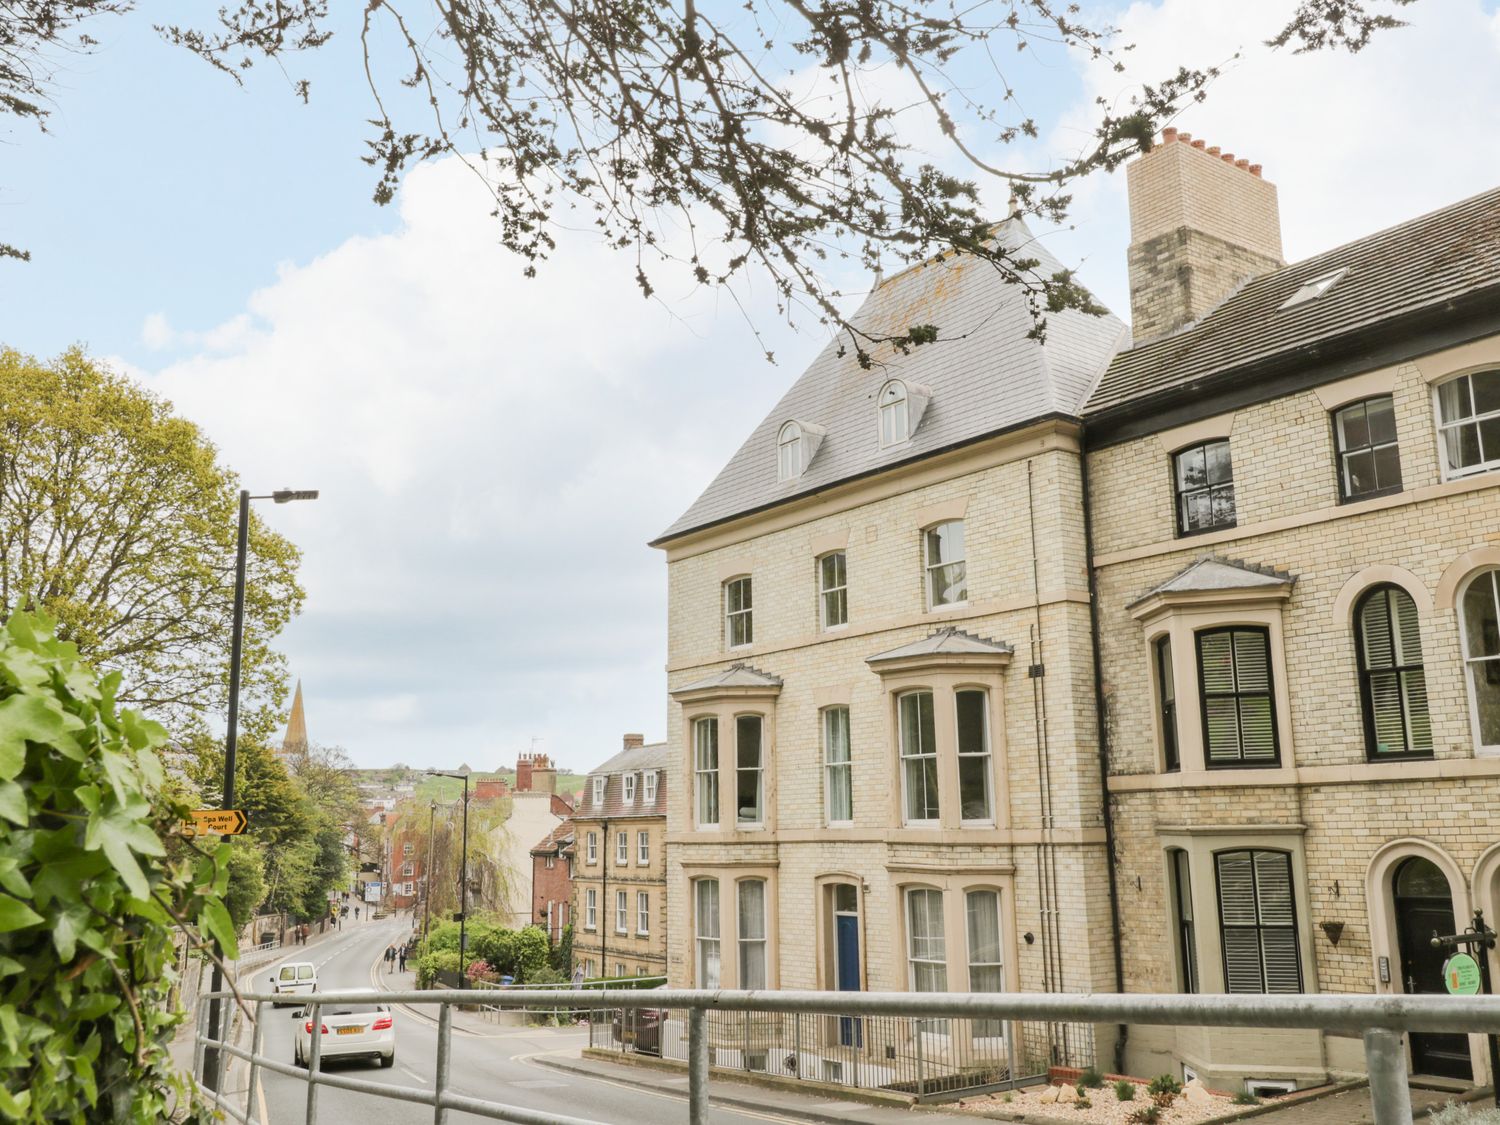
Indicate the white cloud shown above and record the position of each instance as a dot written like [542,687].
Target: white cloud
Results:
[1354,143]
[493,454]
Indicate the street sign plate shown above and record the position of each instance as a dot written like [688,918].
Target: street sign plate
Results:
[1461,975]
[216,822]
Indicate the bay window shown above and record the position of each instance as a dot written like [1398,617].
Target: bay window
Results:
[749,770]
[974,798]
[706,929]
[986,972]
[706,770]
[1479,607]
[927,955]
[1239,714]
[752,933]
[1258,921]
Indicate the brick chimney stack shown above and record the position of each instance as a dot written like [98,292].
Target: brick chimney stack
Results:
[634,741]
[543,774]
[1202,222]
[523,773]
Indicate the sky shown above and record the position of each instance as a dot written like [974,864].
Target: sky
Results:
[493,451]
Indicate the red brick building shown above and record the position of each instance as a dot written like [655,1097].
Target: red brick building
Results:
[552,880]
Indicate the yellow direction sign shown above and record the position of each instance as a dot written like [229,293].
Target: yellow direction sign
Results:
[216,822]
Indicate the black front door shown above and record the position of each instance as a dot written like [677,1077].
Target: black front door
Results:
[1422,971]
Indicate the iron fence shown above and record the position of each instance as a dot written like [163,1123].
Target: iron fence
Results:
[715,1018]
[553,1012]
[924,1058]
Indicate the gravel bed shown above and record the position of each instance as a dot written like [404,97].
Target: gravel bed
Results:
[1106,1109]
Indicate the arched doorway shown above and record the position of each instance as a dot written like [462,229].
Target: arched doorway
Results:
[1424,905]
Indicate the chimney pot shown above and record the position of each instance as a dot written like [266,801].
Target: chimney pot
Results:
[1213,150]
[1255,170]
[1242,163]
[1188,137]
[1199,143]
[1227,158]
[1168,135]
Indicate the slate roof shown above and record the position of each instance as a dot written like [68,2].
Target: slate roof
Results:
[1209,573]
[1419,265]
[653,756]
[985,374]
[735,676]
[945,642]
[559,841]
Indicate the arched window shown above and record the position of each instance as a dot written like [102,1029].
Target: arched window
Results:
[894,416]
[789,452]
[1469,421]
[1480,609]
[1393,686]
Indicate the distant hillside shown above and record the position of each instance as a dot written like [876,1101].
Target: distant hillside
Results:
[426,788]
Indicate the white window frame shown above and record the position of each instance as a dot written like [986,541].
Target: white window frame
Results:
[745,614]
[707,935]
[648,785]
[930,568]
[408,869]
[622,912]
[748,947]
[846,764]
[789,463]
[642,912]
[985,756]
[924,752]
[593,848]
[599,783]
[758,769]
[1490,576]
[893,413]
[706,795]
[622,849]
[984,1029]
[912,960]
[408,847]
[833,595]
[630,788]
[642,847]
[1445,427]
[591,908]
[551,862]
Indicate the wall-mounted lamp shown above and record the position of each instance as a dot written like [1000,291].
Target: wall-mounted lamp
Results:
[1334,930]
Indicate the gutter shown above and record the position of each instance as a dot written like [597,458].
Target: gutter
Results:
[1122,1031]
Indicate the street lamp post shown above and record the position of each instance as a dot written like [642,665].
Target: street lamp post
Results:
[427,871]
[463,881]
[231,733]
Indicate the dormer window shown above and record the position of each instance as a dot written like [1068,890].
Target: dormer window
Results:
[789,452]
[894,415]
[796,446]
[630,788]
[598,790]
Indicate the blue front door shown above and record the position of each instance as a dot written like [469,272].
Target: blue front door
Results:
[846,933]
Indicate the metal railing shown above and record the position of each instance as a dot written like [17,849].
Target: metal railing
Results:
[1380,1020]
[555,1012]
[926,1059]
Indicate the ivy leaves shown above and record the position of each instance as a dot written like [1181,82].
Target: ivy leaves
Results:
[98,899]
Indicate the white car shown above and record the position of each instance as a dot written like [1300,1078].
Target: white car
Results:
[295,978]
[363,1030]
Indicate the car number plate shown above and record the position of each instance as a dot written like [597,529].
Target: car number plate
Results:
[351,1030]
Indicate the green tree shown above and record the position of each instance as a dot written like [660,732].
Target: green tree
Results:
[95,893]
[659,120]
[247,882]
[120,525]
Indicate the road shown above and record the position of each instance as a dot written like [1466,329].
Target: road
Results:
[499,1067]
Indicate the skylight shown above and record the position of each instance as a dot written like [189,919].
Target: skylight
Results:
[1312,290]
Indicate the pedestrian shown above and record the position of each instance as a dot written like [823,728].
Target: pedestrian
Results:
[356,914]
[402,956]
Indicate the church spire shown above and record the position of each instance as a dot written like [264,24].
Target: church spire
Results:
[294,741]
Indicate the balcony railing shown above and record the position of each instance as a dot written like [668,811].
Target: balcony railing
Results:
[711,1026]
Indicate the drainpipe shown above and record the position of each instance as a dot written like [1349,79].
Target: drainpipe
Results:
[603,919]
[1123,1030]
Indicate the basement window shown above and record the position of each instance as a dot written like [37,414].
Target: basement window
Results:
[1312,290]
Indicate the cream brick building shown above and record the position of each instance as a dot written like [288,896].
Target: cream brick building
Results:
[1296,524]
[881,676]
[619,867]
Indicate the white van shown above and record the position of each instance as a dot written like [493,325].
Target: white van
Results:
[294,978]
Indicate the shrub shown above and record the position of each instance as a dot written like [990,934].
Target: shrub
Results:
[1083,1102]
[1091,1079]
[1245,1097]
[1146,1115]
[437,961]
[99,889]
[1164,1084]
[1455,1114]
[480,970]
[1125,1090]
[1164,1099]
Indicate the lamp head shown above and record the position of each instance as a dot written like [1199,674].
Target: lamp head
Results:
[287,495]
